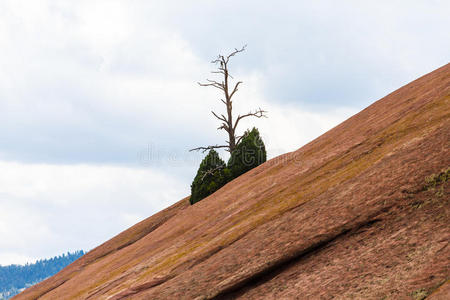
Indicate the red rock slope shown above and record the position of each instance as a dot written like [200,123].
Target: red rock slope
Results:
[349,216]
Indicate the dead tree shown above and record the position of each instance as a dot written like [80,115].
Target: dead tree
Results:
[227,122]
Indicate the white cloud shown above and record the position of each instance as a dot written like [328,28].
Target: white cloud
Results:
[80,85]
[85,86]
[14,258]
[288,127]
[98,80]
[49,209]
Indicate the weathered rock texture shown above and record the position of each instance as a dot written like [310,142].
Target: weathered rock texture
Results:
[348,216]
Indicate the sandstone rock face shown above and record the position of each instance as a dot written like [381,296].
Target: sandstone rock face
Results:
[348,216]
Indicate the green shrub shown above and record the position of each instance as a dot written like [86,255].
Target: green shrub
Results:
[249,153]
[213,173]
[211,176]
[419,294]
[437,179]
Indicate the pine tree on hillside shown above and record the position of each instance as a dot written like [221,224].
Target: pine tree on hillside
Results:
[210,177]
[249,153]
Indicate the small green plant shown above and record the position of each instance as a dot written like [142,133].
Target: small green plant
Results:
[435,184]
[249,153]
[437,179]
[440,192]
[211,176]
[419,294]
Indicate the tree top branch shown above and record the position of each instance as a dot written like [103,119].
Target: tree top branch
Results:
[258,114]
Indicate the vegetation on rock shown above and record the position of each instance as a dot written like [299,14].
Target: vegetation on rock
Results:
[210,177]
[249,153]
[213,173]
[437,179]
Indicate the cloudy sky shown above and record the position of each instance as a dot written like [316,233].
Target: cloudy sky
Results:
[99,102]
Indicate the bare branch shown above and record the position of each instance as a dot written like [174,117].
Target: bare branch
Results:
[258,114]
[204,149]
[239,139]
[215,82]
[224,126]
[235,89]
[220,58]
[211,172]
[221,118]
[236,51]
[216,85]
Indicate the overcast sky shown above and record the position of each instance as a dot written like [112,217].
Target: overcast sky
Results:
[99,102]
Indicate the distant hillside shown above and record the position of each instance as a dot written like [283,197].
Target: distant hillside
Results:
[15,278]
[361,212]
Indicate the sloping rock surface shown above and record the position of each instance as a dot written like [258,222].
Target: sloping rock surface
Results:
[348,216]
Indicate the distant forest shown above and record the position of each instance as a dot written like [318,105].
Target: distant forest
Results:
[16,278]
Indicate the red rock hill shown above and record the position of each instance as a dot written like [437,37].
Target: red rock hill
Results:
[350,216]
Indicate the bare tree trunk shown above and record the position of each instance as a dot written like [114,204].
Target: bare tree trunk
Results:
[227,121]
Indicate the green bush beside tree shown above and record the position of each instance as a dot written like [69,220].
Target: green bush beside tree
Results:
[210,177]
[212,174]
[250,152]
